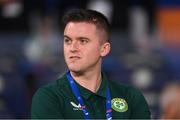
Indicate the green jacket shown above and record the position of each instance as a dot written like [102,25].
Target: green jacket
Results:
[56,100]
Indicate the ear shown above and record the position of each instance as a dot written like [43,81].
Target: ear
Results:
[105,49]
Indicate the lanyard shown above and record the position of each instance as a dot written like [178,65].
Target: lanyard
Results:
[81,102]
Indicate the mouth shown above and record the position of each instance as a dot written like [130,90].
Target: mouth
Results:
[74,57]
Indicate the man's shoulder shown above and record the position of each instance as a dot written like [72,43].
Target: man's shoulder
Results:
[49,99]
[132,96]
[124,89]
[121,86]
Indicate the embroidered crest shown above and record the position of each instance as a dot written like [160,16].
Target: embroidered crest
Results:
[119,105]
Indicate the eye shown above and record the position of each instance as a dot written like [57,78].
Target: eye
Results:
[83,41]
[67,41]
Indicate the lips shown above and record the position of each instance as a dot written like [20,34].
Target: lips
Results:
[74,57]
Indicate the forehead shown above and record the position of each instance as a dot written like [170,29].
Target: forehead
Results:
[80,28]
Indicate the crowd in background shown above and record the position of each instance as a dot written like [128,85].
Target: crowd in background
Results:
[145,52]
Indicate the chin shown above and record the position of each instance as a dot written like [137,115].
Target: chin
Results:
[75,70]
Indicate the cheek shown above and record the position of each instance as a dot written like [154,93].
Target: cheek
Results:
[65,52]
[65,48]
[93,52]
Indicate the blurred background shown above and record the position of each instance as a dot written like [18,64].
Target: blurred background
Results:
[145,50]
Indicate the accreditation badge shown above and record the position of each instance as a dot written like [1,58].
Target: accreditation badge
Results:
[119,105]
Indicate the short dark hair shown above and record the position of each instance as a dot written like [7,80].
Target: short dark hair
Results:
[89,16]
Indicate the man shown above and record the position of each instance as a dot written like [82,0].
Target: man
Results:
[169,101]
[84,92]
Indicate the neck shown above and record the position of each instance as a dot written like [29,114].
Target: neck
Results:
[89,80]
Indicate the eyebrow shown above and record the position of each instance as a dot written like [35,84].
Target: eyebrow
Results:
[65,36]
[83,38]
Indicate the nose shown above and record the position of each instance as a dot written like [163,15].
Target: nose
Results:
[74,46]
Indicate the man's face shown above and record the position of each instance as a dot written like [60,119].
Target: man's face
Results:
[82,47]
